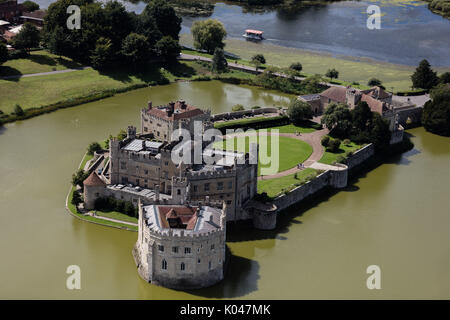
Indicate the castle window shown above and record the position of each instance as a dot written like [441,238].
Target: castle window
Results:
[145,129]
[220,186]
[187,250]
[157,133]
[212,247]
[178,191]
[146,171]
[198,261]
[230,184]
[228,201]
[166,163]
[195,188]
[175,249]
[164,265]
[206,186]
[209,265]
[161,248]
[123,165]
[183,266]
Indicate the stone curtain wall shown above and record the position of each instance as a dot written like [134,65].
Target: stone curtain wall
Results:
[360,156]
[241,114]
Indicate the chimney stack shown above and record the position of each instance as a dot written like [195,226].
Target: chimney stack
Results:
[149,105]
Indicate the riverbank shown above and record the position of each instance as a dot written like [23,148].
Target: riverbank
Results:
[351,69]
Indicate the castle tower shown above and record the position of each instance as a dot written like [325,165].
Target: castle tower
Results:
[179,190]
[114,150]
[94,188]
[352,97]
[131,132]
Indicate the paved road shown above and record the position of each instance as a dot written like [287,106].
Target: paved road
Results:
[18,76]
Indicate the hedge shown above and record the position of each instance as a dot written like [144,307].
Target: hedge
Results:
[253,123]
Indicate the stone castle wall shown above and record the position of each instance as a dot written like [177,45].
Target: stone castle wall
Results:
[360,156]
[243,113]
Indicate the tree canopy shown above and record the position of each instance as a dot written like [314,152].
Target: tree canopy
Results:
[436,112]
[299,111]
[208,35]
[219,62]
[297,66]
[424,77]
[332,73]
[374,82]
[158,24]
[27,38]
[3,53]
[30,6]
[135,49]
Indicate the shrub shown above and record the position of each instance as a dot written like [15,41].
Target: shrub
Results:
[340,159]
[347,142]
[237,107]
[334,145]
[325,141]
[18,111]
[297,66]
[94,147]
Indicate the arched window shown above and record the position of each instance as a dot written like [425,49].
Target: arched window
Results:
[164,265]
[183,266]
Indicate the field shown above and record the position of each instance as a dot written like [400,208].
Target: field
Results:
[273,187]
[350,68]
[291,151]
[37,62]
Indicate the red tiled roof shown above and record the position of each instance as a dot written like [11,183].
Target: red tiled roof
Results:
[179,112]
[336,94]
[377,93]
[185,214]
[93,180]
[254,31]
[374,104]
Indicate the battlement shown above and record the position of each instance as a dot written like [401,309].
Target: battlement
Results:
[210,174]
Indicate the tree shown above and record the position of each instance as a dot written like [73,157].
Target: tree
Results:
[257,60]
[122,134]
[332,73]
[338,119]
[379,133]
[168,49]
[76,199]
[237,107]
[374,82]
[79,177]
[103,56]
[57,43]
[361,116]
[166,20]
[313,84]
[135,48]
[299,111]
[444,78]
[27,38]
[208,35]
[334,145]
[219,63]
[424,77]
[297,66]
[93,147]
[436,112]
[3,53]
[325,141]
[18,111]
[30,6]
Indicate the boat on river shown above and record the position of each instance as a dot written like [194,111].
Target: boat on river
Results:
[251,34]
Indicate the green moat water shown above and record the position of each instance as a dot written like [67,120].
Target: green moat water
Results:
[395,216]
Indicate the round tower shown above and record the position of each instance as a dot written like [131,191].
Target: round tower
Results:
[94,188]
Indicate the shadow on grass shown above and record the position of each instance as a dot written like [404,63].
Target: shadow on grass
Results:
[70,64]
[8,73]
[150,73]
[180,69]
[42,59]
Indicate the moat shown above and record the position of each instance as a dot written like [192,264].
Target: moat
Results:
[394,216]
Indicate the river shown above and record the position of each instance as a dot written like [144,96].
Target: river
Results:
[409,31]
[395,216]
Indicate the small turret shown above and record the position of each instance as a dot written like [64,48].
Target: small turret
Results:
[131,132]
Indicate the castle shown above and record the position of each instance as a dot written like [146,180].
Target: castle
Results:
[180,205]
[377,99]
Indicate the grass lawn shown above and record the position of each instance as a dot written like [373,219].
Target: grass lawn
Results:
[116,215]
[291,152]
[291,128]
[350,68]
[274,187]
[36,62]
[96,220]
[330,157]
[49,89]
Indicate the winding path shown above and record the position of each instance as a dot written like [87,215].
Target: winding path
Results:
[312,138]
